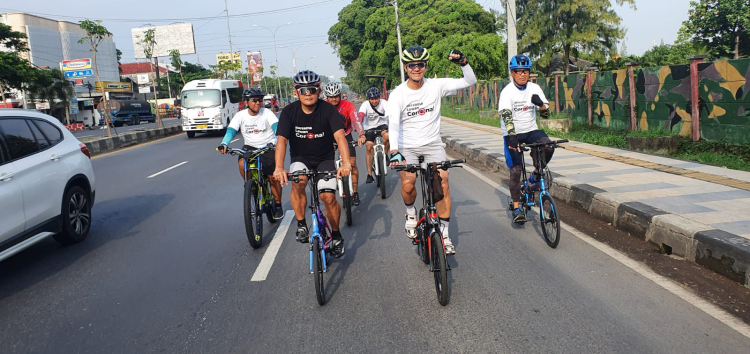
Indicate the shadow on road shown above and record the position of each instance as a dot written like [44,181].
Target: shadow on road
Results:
[114,219]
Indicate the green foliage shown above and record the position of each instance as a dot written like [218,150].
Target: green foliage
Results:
[650,133]
[570,27]
[365,39]
[189,72]
[174,56]
[149,42]
[14,71]
[13,41]
[222,70]
[95,32]
[559,115]
[723,26]
[49,85]
[468,116]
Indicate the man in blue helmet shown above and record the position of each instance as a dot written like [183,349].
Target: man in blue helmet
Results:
[518,105]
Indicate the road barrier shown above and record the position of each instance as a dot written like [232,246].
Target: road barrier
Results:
[123,140]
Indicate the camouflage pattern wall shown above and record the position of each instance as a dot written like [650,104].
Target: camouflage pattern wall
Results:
[662,95]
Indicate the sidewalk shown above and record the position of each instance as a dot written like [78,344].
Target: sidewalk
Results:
[696,211]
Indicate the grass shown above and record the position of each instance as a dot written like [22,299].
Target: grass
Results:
[559,116]
[709,152]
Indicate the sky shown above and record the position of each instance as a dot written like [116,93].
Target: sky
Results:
[653,20]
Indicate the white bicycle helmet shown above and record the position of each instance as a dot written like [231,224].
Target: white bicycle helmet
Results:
[306,78]
[333,89]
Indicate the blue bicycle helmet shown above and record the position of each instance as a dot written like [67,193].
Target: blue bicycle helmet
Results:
[520,62]
[373,92]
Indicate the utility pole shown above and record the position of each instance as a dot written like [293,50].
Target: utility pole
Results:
[512,36]
[398,34]
[276,52]
[229,33]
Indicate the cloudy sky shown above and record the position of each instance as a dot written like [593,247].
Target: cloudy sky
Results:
[311,19]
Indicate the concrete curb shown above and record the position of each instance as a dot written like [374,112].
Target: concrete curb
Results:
[722,252]
[104,145]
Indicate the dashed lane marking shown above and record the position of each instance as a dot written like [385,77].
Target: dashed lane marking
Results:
[168,169]
[273,249]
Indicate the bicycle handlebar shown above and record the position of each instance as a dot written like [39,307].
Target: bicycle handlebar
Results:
[350,143]
[241,152]
[443,165]
[294,176]
[526,147]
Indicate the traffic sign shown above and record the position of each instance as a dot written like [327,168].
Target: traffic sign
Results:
[76,64]
[79,73]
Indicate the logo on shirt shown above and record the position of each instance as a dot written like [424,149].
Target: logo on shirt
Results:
[305,133]
[419,111]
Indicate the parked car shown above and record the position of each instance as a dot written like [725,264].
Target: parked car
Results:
[46,182]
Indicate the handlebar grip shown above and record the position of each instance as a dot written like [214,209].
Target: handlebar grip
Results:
[458,161]
[561,141]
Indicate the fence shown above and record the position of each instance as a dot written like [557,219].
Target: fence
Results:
[709,100]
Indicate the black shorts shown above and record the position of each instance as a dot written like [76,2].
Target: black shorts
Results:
[531,137]
[352,150]
[267,160]
[300,163]
[370,134]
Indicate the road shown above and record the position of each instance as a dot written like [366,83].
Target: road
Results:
[101,131]
[167,268]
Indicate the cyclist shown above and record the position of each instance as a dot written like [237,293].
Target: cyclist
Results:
[347,110]
[310,126]
[414,122]
[258,128]
[517,107]
[372,113]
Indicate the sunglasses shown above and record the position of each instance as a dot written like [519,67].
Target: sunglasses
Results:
[255,100]
[307,90]
[414,66]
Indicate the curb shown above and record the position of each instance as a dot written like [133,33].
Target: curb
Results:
[722,252]
[109,144]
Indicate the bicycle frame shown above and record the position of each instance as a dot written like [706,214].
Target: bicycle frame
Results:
[256,172]
[379,147]
[318,219]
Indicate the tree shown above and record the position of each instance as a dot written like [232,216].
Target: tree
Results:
[95,34]
[723,26]
[14,70]
[50,85]
[119,57]
[570,27]
[174,55]
[365,38]
[149,42]
[222,69]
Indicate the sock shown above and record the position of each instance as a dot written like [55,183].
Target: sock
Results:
[444,226]
[410,209]
[336,234]
[302,222]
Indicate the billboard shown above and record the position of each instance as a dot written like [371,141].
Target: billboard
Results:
[220,58]
[178,36]
[144,79]
[113,86]
[76,64]
[255,65]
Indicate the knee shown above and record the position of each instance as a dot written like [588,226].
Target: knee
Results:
[327,198]
[370,147]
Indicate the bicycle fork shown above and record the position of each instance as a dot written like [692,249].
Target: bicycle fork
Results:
[315,233]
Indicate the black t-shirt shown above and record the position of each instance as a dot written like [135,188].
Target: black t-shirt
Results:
[310,135]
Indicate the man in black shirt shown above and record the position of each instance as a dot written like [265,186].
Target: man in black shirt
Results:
[311,126]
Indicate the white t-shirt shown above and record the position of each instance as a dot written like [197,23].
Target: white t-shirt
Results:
[372,119]
[414,115]
[256,130]
[519,102]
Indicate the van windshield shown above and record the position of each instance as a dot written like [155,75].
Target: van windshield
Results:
[201,98]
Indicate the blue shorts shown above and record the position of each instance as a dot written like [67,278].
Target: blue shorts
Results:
[514,158]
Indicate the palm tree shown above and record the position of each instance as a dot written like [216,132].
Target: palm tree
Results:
[51,85]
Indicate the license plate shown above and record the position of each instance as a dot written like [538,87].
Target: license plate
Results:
[201,126]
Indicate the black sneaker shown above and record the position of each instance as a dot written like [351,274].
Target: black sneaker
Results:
[278,211]
[370,179]
[355,199]
[518,216]
[337,247]
[302,236]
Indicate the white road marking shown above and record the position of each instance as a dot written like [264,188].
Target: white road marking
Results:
[667,284]
[273,249]
[165,170]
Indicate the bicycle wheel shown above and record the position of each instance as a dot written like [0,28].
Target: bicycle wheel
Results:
[318,271]
[439,267]
[252,216]
[424,250]
[347,200]
[269,204]
[381,177]
[550,221]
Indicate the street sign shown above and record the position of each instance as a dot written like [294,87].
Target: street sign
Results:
[42,105]
[79,73]
[76,64]
[144,89]
[78,81]
[143,79]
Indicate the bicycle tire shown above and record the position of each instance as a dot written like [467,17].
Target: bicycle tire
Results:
[423,244]
[254,234]
[381,177]
[347,200]
[550,221]
[439,267]
[318,272]
[269,204]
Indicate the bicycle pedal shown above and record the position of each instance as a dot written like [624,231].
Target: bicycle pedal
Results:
[414,242]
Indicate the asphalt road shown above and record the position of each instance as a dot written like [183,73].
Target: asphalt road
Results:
[101,131]
[167,268]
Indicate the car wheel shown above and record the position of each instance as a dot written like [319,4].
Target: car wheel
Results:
[76,215]
[191,135]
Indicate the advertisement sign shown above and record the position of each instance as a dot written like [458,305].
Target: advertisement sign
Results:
[111,86]
[176,36]
[257,77]
[144,89]
[42,105]
[73,105]
[220,58]
[79,73]
[78,82]
[144,79]
[76,64]
[114,107]
[254,62]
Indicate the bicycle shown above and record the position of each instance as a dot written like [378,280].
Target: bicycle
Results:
[548,215]
[345,185]
[320,231]
[257,195]
[379,161]
[429,239]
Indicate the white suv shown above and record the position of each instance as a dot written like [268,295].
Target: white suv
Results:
[46,182]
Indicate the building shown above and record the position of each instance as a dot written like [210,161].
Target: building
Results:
[50,42]
[133,70]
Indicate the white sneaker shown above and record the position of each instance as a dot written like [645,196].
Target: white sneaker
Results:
[449,249]
[411,226]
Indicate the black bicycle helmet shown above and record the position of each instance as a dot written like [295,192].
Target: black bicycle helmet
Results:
[415,53]
[251,92]
[306,78]
[373,92]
